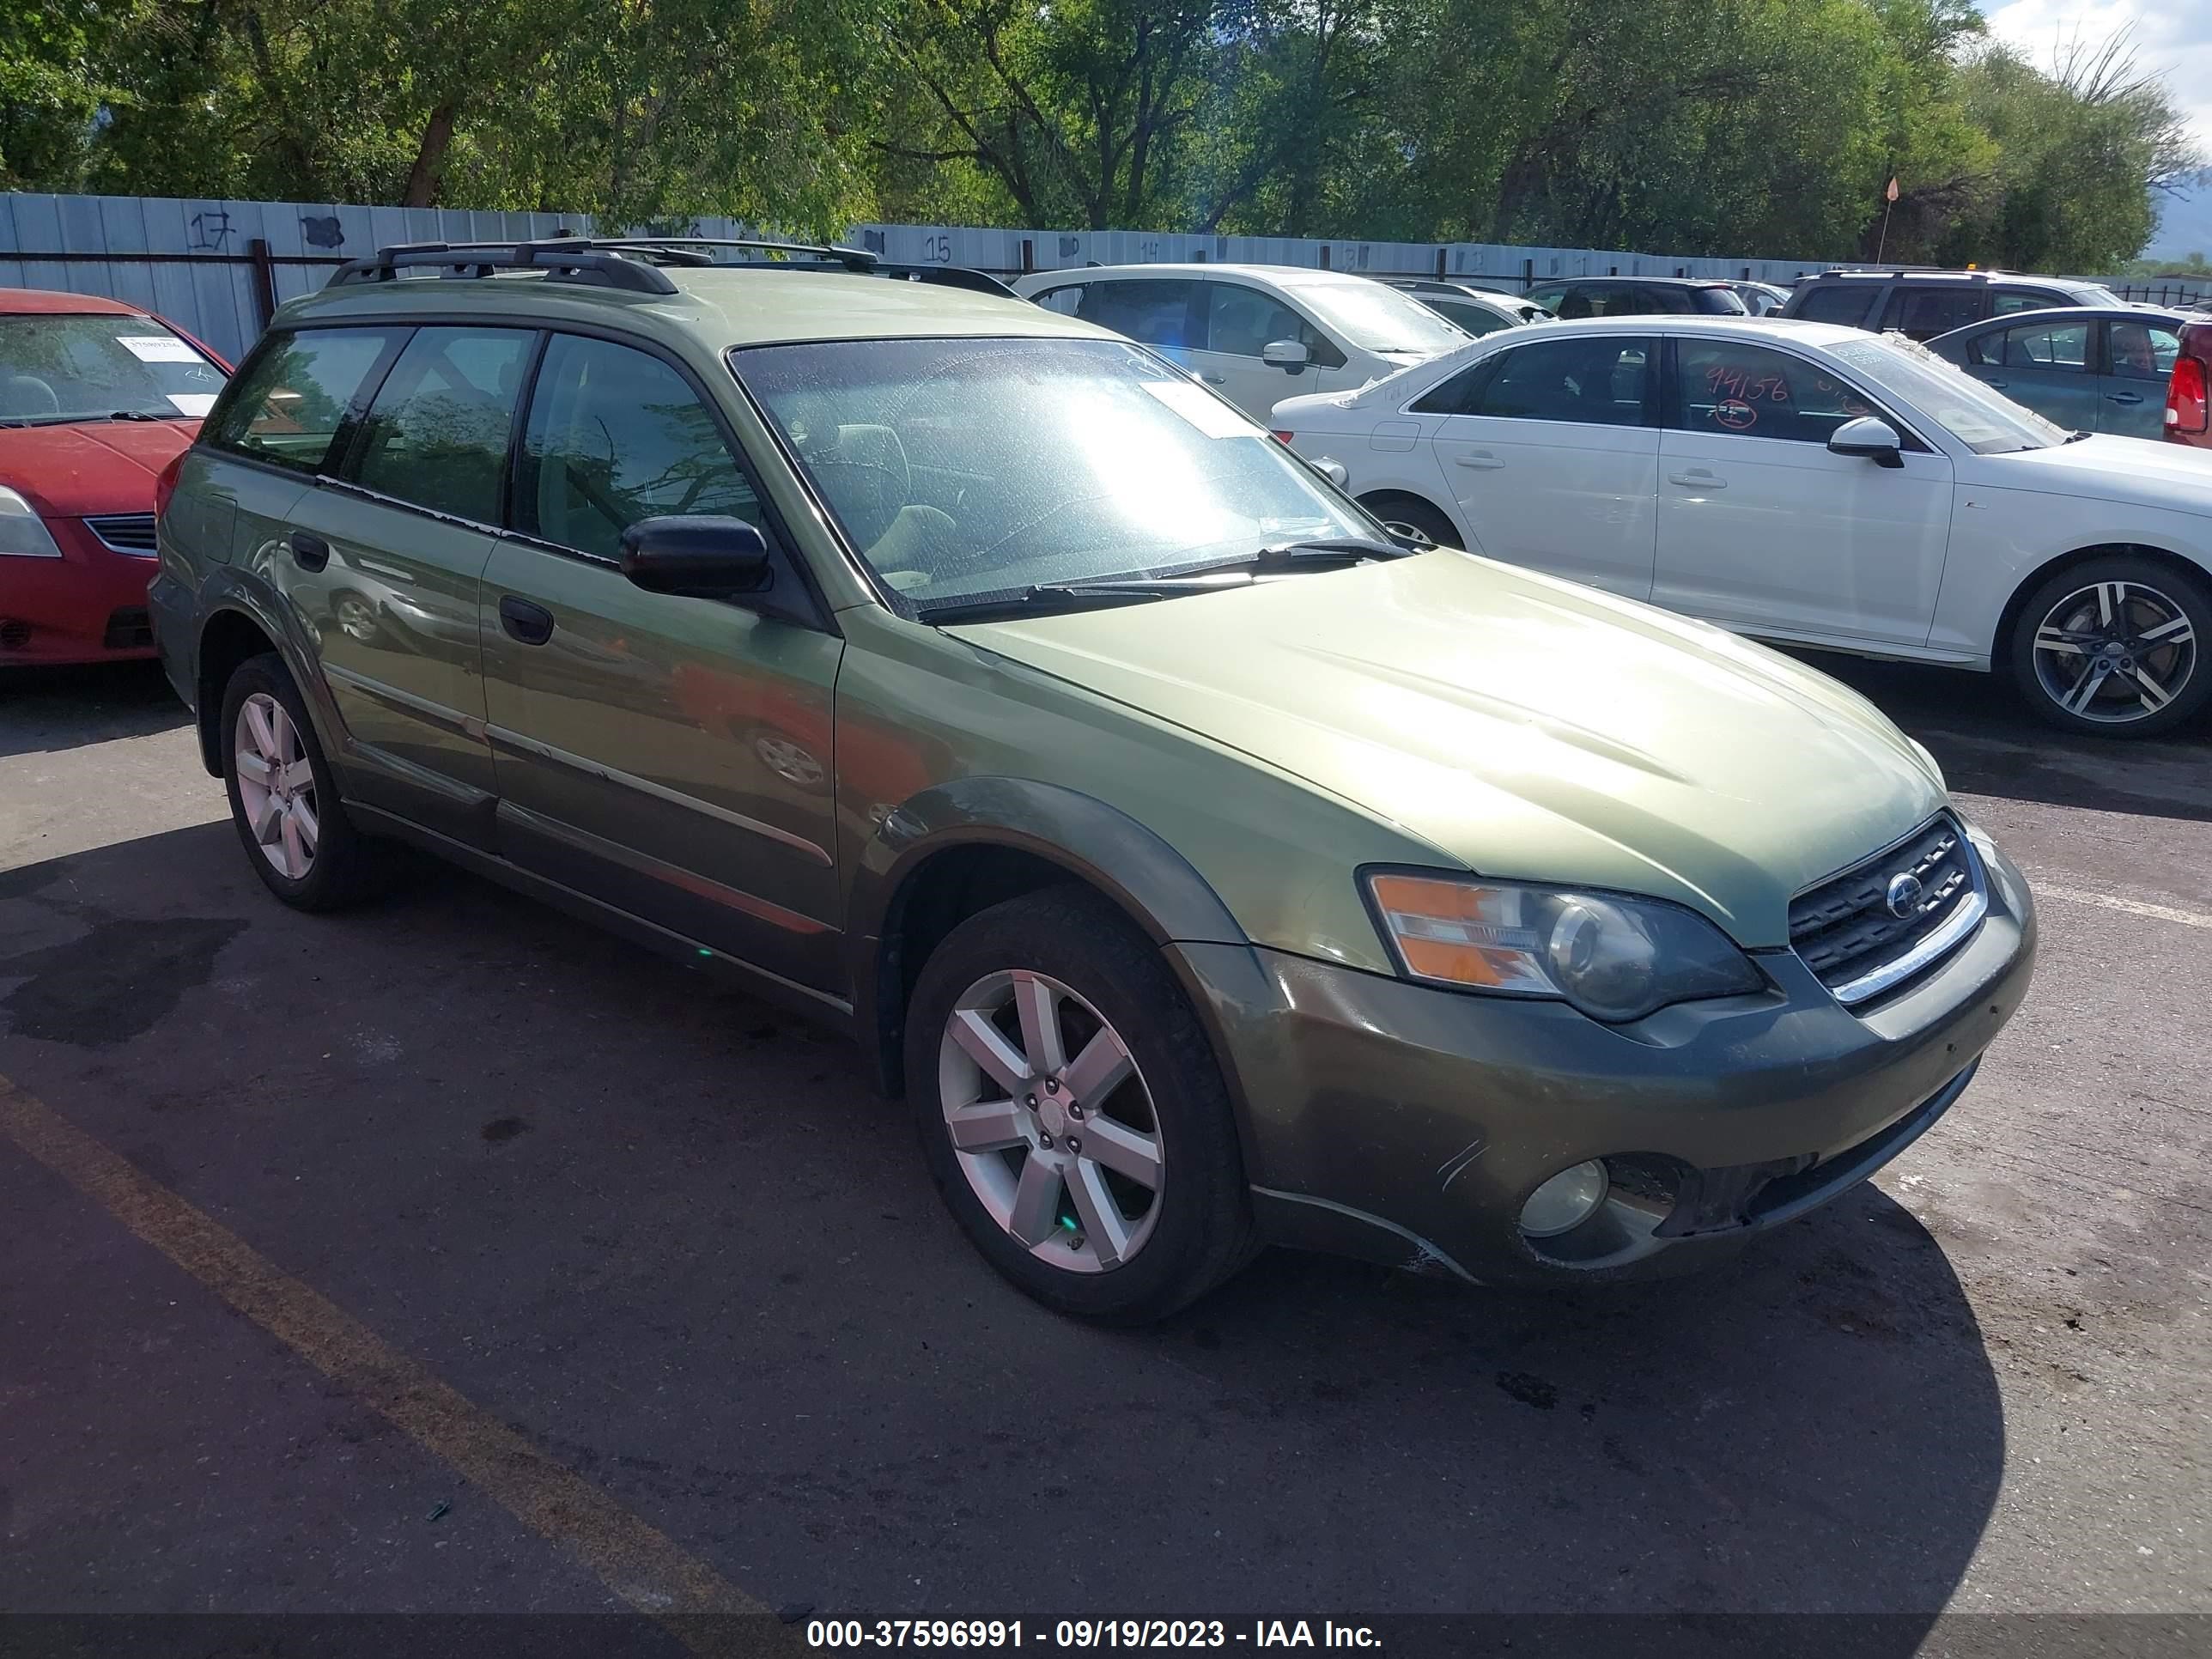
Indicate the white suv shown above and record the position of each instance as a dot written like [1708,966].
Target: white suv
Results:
[1254,333]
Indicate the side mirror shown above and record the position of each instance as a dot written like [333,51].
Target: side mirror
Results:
[700,557]
[1868,438]
[1289,355]
[1334,470]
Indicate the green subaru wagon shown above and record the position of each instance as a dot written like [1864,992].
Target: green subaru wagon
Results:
[1209,864]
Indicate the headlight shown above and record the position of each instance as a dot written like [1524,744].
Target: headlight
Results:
[1613,959]
[23,533]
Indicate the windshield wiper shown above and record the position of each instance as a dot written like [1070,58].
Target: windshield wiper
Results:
[1050,598]
[1294,556]
[80,420]
[2077,437]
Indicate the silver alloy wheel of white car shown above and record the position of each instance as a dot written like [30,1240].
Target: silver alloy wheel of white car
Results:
[2115,652]
[1062,1150]
[275,785]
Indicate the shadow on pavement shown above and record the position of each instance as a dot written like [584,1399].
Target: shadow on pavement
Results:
[47,709]
[672,1236]
[1988,743]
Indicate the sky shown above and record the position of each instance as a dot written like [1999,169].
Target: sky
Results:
[2174,37]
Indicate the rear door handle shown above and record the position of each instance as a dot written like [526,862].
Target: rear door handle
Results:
[531,623]
[2125,397]
[1999,385]
[1696,480]
[1481,459]
[310,551]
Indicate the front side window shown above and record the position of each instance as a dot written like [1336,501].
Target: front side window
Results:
[1755,391]
[1243,322]
[436,434]
[1374,317]
[1599,381]
[2142,351]
[61,367]
[1156,311]
[2008,300]
[616,435]
[1986,422]
[962,470]
[288,404]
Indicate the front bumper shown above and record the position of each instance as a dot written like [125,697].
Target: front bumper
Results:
[88,605]
[1409,1124]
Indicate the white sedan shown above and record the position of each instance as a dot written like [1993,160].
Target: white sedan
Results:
[1808,483]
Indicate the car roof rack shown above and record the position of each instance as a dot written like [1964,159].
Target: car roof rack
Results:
[675,248]
[570,260]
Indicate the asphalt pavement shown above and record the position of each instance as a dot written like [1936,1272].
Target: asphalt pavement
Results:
[449,1256]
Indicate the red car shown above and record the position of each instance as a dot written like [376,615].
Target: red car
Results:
[96,398]
[2189,392]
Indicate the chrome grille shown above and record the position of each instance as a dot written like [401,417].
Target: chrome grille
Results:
[125,532]
[1859,943]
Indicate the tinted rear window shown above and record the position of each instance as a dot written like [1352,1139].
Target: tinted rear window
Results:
[1845,303]
[286,407]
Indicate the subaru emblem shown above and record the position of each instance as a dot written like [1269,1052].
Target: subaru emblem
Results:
[1903,896]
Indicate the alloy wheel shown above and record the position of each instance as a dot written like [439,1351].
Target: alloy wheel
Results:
[2115,652]
[1051,1121]
[275,785]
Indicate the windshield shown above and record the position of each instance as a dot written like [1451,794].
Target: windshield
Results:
[971,468]
[2096,294]
[80,367]
[1985,422]
[1377,318]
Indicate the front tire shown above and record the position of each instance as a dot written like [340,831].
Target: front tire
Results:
[1119,1195]
[2113,645]
[283,798]
[1430,521]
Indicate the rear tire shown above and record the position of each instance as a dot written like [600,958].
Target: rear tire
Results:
[1120,1196]
[1413,510]
[284,797]
[2113,646]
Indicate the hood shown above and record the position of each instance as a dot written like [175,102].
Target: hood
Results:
[1525,727]
[2140,471]
[90,467]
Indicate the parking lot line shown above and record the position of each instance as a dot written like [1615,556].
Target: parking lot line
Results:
[639,1563]
[2114,901]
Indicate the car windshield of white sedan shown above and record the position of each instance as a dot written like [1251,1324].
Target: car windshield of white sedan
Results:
[65,367]
[1986,422]
[1377,318]
[961,468]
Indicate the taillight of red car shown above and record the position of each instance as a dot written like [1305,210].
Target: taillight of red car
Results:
[2185,411]
[164,482]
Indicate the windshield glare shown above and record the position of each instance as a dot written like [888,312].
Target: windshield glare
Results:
[972,468]
[84,367]
[1378,319]
[1986,422]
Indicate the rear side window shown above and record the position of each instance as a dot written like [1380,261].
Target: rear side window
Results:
[1842,303]
[1721,302]
[436,434]
[1066,301]
[1599,382]
[2142,351]
[287,405]
[1925,312]
[615,436]
[1157,312]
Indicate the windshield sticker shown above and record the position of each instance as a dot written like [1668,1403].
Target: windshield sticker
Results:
[1201,409]
[157,347]
[192,403]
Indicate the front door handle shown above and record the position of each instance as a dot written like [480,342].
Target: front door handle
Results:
[2125,397]
[1699,480]
[1215,379]
[1998,385]
[312,551]
[1481,459]
[531,623]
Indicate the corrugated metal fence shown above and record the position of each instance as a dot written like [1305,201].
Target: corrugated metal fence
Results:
[217,268]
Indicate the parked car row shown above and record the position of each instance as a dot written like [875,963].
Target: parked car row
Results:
[1209,863]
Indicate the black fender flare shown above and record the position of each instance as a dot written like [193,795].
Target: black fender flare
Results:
[1095,842]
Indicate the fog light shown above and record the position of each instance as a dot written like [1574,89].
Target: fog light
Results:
[1565,1201]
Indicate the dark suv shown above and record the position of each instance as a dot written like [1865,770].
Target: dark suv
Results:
[1636,296]
[1922,304]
